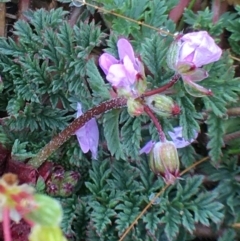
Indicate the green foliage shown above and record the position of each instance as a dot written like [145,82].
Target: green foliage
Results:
[54,64]
[215,133]
[188,117]
[110,125]
[19,151]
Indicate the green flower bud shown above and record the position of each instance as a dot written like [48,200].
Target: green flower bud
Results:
[164,160]
[162,105]
[48,211]
[173,54]
[46,233]
[135,108]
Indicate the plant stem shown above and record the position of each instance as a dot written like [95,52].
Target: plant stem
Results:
[23,6]
[162,136]
[163,88]
[70,130]
[2,19]
[6,225]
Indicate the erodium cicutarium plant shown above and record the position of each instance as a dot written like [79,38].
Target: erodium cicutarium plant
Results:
[107,108]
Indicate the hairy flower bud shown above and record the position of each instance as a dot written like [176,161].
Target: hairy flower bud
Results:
[135,108]
[164,160]
[162,105]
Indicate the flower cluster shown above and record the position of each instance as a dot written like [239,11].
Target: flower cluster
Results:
[186,56]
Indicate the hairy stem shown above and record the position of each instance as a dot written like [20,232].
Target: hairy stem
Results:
[163,88]
[70,130]
[162,136]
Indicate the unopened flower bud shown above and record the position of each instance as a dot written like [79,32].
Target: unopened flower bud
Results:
[135,108]
[162,105]
[164,160]
[173,54]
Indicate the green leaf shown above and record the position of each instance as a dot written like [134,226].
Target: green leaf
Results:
[19,151]
[190,189]
[228,234]
[187,117]
[99,88]
[131,136]
[128,211]
[206,208]
[216,105]
[215,133]
[111,132]
[172,221]
[188,221]
[154,59]
[152,221]
[101,216]
[187,155]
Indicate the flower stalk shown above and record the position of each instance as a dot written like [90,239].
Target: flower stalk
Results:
[70,130]
[154,119]
[163,88]
[6,225]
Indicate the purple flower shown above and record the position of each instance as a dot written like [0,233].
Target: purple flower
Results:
[124,73]
[177,139]
[188,54]
[88,135]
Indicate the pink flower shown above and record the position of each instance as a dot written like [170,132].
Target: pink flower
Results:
[88,135]
[189,53]
[124,73]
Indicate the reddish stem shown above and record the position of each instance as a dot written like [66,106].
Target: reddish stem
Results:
[70,130]
[23,6]
[156,123]
[74,16]
[177,12]
[218,8]
[163,88]
[6,225]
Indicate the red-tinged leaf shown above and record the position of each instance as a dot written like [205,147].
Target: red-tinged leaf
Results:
[25,173]
[3,158]
[45,170]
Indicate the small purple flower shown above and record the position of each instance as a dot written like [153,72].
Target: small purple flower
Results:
[124,73]
[177,137]
[88,135]
[147,148]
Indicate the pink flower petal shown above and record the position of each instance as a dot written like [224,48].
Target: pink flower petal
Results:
[196,75]
[105,62]
[199,48]
[125,49]
[130,70]
[117,76]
